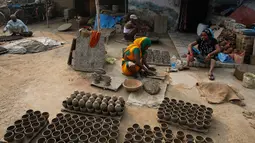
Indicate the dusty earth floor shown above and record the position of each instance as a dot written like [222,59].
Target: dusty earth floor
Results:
[42,81]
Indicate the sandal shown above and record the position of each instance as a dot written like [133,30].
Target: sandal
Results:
[211,77]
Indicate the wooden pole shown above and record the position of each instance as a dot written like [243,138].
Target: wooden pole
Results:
[98,14]
[47,16]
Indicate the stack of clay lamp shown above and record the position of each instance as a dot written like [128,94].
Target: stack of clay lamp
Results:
[25,129]
[75,128]
[95,104]
[136,134]
[190,116]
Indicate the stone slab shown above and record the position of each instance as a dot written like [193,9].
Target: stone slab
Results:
[115,84]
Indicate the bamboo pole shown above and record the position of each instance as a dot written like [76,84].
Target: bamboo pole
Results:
[98,14]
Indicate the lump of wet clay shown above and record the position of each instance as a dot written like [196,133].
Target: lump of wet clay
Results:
[152,87]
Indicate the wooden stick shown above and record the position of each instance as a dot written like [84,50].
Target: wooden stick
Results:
[47,16]
[98,14]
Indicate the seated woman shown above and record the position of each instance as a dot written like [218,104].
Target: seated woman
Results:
[207,50]
[134,58]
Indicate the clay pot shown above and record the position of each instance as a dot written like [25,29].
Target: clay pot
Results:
[148,133]
[136,126]
[177,141]
[82,93]
[167,116]
[76,92]
[118,108]
[147,140]
[164,126]
[18,123]
[89,104]
[33,118]
[168,131]
[9,136]
[182,120]
[88,94]
[46,133]
[191,123]
[169,137]
[95,133]
[92,99]
[165,102]
[80,124]
[51,127]
[70,106]
[138,138]
[73,138]
[68,130]
[209,110]
[69,100]
[29,132]
[114,128]
[25,117]
[96,105]
[77,131]
[55,121]
[186,107]
[178,105]
[12,128]
[89,124]
[91,118]
[146,127]
[160,109]
[41,140]
[79,97]
[189,137]
[167,99]
[180,135]
[92,139]
[85,98]
[181,102]
[201,110]
[103,106]
[60,128]
[121,99]
[56,135]
[19,130]
[64,137]
[174,118]
[111,108]
[157,141]
[71,123]
[36,126]
[184,110]
[76,108]
[102,140]
[191,113]
[157,129]
[81,103]
[91,110]
[112,141]
[105,100]
[19,138]
[64,104]
[111,101]
[67,117]
[158,135]
[188,104]
[75,117]
[115,122]
[139,132]
[199,139]
[24,125]
[106,127]
[86,131]
[114,135]
[97,126]
[113,113]
[83,109]
[128,137]
[208,118]
[83,118]
[75,102]
[30,112]
[37,113]
[190,117]
[160,115]
[207,124]
[99,100]
[183,115]
[83,138]
[131,131]
[176,109]
[209,140]
[42,121]
[199,118]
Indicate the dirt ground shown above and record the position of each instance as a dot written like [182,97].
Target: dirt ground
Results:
[42,81]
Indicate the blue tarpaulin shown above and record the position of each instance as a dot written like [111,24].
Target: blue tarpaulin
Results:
[107,21]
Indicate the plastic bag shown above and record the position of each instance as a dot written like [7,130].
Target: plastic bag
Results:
[225,58]
[239,57]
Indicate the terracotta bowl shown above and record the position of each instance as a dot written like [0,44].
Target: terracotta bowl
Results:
[132,85]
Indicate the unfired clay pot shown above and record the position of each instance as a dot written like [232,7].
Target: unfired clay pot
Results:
[111,101]
[99,100]
[118,108]
[9,136]
[105,100]
[75,102]
[180,135]
[121,99]
[111,108]
[89,104]
[78,97]
[76,92]
[81,103]
[103,106]
[199,139]
[96,105]
[73,96]
[64,104]
[92,99]
[85,98]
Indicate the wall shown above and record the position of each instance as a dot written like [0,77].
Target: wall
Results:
[147,9]
[63,4]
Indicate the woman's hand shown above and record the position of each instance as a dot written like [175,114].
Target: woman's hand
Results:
[208,57]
